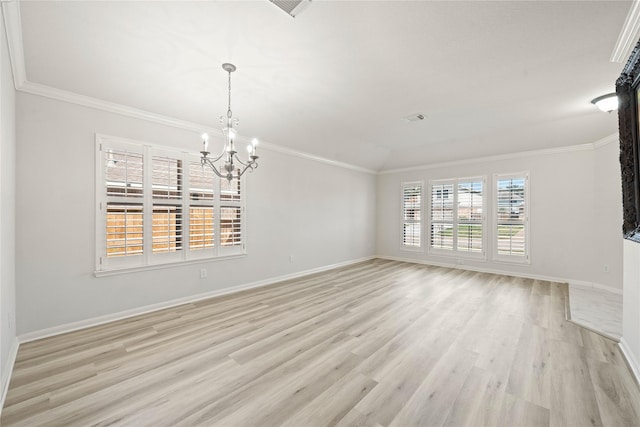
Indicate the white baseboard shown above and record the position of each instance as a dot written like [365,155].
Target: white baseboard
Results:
[95,321]
[592,285]
[595,330]
[571,282]
[7,371]
[478,269]
[631,359]
[473,268]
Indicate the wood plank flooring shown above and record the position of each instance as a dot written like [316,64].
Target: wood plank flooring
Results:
[379,343]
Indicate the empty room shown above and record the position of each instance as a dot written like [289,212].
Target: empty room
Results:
[319,213]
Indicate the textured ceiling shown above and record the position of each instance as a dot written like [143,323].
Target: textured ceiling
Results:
[490,77]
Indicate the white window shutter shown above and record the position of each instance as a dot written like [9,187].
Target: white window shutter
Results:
[458,217]
[511,217]
[442,203]
[470,216]
[156,205]
[412,215]
[202,212]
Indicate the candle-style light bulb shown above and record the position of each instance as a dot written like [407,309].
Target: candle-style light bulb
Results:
[205,141]
[232,135]
[254,144]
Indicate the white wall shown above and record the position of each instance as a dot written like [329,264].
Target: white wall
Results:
[574,220]
[631,305]
[607,230]
[320,214]
[8,341]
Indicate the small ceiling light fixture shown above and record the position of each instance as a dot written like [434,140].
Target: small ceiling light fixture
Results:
[606,103]
[229,169]
[413,118]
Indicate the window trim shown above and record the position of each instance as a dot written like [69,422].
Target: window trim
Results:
[454,252]
[403,247]
[148,260]
[512,259]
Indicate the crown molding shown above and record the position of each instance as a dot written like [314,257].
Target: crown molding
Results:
[112,107]
[11,14]
[628,35]
[303,155]
[13,28]
[614,137]
[543,152]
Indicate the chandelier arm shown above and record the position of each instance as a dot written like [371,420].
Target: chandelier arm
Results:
[206,153]
[224,151]
[248,167]
[252,163]
[241,162]
[208,162]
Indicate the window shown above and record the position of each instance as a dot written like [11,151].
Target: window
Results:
[230,214]
[470,216]
[457,217]
[442,216]
[511,218]
[157,205]
[124,229]
[201,208]
[411,215]
[166,194]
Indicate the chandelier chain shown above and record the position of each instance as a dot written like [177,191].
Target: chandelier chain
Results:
[229,113]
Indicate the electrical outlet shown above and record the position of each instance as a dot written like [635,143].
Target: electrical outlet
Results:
[290,259]
[606,268]
[203,273]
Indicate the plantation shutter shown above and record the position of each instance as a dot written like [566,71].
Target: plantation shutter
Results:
[158,205]
[231,215]
[121,209]
[442,198]
[201,208]
[167,214]
[511,217]
[457,217]
[411,215]
[470,216]
[125,229]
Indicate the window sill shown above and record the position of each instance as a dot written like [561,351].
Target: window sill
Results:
[475,256]
[410,249]
[150,267]
[513,261]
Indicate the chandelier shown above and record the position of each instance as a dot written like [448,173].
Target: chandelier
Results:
[232,167]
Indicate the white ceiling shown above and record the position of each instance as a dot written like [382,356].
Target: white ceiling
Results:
[490,77]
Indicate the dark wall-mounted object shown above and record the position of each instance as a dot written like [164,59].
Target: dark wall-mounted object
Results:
[628,91]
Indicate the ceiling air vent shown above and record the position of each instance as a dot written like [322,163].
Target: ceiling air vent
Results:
[413,118]
[292,7]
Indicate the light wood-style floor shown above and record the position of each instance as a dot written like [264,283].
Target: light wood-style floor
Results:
[377,343]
